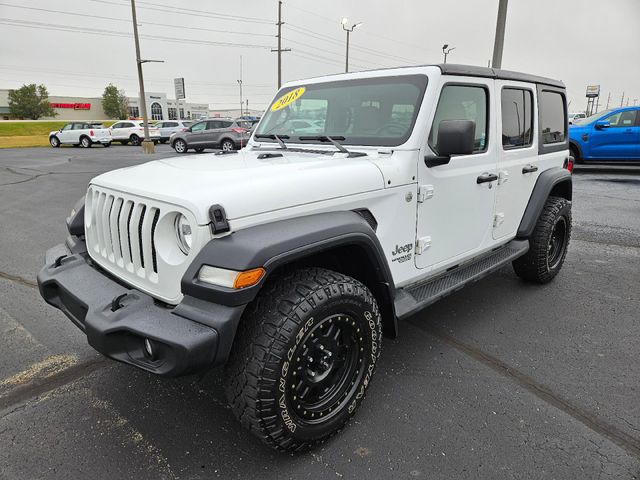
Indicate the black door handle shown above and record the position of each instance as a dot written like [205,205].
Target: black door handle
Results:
[487,177]
[529,169]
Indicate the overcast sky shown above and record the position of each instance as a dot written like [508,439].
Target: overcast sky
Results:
[578,41]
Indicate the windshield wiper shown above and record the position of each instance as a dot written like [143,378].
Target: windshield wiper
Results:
[273,136]
[334,141]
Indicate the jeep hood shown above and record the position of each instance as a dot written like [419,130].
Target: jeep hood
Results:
[244,184]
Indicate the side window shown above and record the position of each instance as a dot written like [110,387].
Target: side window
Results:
[212,124]
[116,125]
[68,126]
[517,118]
[78,126]
[552,117]
[127,125]
[170,124]
[160,125]
[461,102]
[198,127]
[622,119]
[225,124]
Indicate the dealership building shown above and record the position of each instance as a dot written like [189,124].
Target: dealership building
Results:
[159,107]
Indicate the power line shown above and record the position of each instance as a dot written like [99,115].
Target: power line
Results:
[189,12]
[111,33]
[333,53]
[390,39]
[100,17]
[364,50]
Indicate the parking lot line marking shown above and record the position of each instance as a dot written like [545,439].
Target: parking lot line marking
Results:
[18,279]
[42,385]
[599,426]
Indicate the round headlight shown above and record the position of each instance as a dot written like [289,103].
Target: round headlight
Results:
[183,233]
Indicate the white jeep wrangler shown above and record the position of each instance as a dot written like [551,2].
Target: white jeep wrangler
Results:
[288,261]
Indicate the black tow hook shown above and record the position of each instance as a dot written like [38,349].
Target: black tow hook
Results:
[116,303]
[58,261]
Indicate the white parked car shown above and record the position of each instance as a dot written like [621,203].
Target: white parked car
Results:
[288,260]
[82,134]
[132,131]
[576,116]
[169,127]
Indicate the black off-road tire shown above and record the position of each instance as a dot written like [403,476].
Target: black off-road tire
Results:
[291,318]
[543,261]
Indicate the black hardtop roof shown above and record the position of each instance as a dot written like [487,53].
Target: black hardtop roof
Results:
[486,72]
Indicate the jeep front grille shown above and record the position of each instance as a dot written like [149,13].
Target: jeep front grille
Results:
[122,233]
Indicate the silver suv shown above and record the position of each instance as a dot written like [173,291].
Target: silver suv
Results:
[212,133]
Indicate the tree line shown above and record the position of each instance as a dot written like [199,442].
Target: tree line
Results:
[32,102]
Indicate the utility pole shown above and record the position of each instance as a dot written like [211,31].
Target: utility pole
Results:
[608,100]
[622,99]
[350,29]
[280,49]
[147,145]
[499,40]
[240,83]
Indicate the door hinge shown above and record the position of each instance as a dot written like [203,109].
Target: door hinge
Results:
[425,192]
[422,244]
[503,177]
[498,219]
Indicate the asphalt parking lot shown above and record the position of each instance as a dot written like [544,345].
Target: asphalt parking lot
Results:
[501,380]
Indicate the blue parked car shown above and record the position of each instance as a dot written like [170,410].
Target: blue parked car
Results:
[610,135]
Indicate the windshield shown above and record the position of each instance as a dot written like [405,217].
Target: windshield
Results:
[592,118]
[371,111]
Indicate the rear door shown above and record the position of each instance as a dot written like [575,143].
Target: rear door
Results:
[223,131]
[517,149]
[619,140]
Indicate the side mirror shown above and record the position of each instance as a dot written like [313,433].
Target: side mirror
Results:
[602,124]
[455,137]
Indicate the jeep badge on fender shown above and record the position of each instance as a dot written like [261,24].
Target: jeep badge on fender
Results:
[359,200]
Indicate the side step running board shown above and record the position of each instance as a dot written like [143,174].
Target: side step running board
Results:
[414,298]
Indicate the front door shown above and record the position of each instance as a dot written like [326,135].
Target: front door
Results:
[66,134]
[196,134]
[455,212]
[619,140]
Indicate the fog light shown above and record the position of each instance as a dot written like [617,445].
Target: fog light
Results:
[148,348]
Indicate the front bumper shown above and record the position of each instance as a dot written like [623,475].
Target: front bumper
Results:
[192,336]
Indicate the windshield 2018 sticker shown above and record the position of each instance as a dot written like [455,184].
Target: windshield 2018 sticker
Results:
[287,99]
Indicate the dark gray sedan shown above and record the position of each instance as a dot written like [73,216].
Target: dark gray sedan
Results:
[212,133]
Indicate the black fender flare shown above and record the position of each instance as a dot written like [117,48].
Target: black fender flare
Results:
[273,245]
[555,181]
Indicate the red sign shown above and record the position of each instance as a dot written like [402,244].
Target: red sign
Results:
[75,106]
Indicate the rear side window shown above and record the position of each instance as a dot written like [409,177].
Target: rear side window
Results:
[224,124]
[462,102]
[517,118]
[553,117]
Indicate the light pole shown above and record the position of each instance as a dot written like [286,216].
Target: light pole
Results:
[147,145]
[240,84]
[348,29]
[446,51]
[498,44]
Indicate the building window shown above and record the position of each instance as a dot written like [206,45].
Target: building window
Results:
[172,113]
[156,111]
[134,112]
[181,114]
[517,118]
